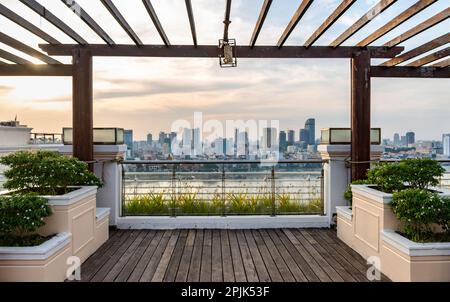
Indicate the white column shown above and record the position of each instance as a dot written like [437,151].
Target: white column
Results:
[337,175]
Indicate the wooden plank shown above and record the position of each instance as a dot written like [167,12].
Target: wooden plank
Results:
[299,259]
[175,259]
[121,20]
[35,70]
[430,58]
[191,21]
[217,270]
[47,15]
[152,265]
[259,23]
[410,72]
[183,268]
[442,64]
[131,264]
[238,264]
[115,256]
[272,268]
[27,25]
[227,261]
[436,19]
[337,13]
[260,267]
[371,14]
[10,41]
[152,13]
[83,15]
[435,43]
[123,260]
[397,21]
[83,106]
[360,115]
[165,258]
[13,58]
[212,51]
[146,257]
[196,259]
[278,251]
[301,10]
[313,255]
[205,272]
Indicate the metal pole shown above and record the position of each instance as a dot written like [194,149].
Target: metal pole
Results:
[272,180]
[223,191]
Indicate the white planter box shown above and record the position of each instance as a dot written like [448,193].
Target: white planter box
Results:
[46,262]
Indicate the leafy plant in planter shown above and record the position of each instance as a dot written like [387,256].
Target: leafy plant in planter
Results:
[20,217]
[46,173]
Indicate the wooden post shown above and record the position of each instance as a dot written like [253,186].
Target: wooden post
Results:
[360,148]
[82,105]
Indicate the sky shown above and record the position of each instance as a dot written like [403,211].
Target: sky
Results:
[149,94]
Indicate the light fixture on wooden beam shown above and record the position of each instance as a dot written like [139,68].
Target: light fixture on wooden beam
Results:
[228,57]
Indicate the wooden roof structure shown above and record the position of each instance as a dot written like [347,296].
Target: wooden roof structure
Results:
[433,65]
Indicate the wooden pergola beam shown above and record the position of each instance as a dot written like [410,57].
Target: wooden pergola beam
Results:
[83,15]
[301,10]
[260,22]
[6,12]
[436,19]
[13,58]
[442,64]
[226,21]
[337,13]
[30,70]
[5,39]
[152,13]
[47,15]
[212,51]
[397,21]
[121,20]
[435,43]
[430,58]
[410,72]
[191,18]
[371,14]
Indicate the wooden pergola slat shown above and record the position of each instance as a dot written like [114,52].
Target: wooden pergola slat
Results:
[436,19]
[430,58]
[212,51]
[152,13]
[36,70]
[5,39]
[435,43]
[83,15]
[47,15]
[409,72]
[190,14]
[337,13]
[121,20]
[301,10]
[13,58]
[442,64]
[259,23]
[6,12]
[397,21]
[371,14]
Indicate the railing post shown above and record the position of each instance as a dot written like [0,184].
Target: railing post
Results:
[272,183]
[223,191]
[174,188]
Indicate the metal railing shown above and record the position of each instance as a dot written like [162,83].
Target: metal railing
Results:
[221,188]
[45,138]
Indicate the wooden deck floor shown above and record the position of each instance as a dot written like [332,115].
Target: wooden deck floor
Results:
[290,255]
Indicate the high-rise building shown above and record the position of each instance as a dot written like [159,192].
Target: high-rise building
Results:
[304,136]
[128,140]
[410,138]
[197,146]
[162,138]
[403,140]
[291,138]
[446,144]
[310,125]
[269,139]
[396,139]
[220,146]
[243,144]
[282,141]
[149,139]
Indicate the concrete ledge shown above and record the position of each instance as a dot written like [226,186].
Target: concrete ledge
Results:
[219,222]
[40,252]
[101,213]
[72,197]
[415,249]
[345,212]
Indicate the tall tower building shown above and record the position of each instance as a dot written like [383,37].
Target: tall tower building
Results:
[446,144]
[282,141]
[291,138]
[410,138]
[310,125]
[149,139]
[396,139]
[128,140]
[269,139]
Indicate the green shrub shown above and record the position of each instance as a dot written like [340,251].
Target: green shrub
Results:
[348,192]
[421,172]
[444,217]
[146,204]
[46,173]
[20,217]
[419,210]
[389,177]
